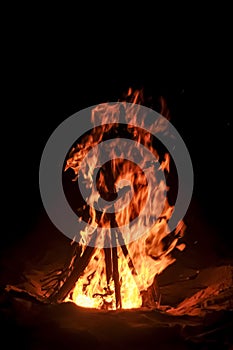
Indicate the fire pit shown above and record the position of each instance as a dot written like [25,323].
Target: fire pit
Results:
[114,290]
[126,241]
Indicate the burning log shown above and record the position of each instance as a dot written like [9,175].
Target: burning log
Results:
[111,263]
[108,264]
[116,278]
[126,252]
[152,296]
[77,271]
[56,278]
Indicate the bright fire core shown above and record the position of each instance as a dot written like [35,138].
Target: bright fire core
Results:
[146,257]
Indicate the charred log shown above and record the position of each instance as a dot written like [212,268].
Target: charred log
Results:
[77,271]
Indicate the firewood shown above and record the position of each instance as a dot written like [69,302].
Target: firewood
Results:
[116,271]
[116,277]
[77,271]
[126,253]
[108,264]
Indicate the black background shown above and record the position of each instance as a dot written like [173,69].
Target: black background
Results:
[45,86]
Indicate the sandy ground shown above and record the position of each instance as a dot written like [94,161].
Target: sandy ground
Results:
[196,300]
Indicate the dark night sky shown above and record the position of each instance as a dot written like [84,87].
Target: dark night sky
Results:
[42,92]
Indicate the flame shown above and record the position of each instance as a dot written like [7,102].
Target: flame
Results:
[140,261]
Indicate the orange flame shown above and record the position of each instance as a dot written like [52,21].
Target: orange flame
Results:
[146,257]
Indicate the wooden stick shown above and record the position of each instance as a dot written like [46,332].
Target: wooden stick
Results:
[76,273]
[116,272]
[116,278]
[126,252]
[108,264]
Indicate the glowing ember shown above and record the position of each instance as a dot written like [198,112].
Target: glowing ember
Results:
[141,259]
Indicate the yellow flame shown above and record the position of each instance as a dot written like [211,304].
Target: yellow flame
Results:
[147,256]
